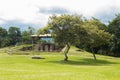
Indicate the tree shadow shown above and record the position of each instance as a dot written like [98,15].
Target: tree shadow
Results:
[89,61]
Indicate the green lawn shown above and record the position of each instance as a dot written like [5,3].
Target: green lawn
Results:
[80,66]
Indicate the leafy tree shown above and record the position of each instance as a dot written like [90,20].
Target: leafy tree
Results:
[14,34]
[44,30]
[3,36]
[97,34]
[26,35]
[98,23]
[114,28]
[31,30]
[67,30]
[3,32]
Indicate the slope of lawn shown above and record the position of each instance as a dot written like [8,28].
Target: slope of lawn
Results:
[80,66]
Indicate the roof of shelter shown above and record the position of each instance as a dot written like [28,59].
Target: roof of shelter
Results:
[42,35]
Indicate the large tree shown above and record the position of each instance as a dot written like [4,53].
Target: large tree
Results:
[67,30]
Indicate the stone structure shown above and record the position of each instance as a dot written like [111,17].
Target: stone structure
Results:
[47,46]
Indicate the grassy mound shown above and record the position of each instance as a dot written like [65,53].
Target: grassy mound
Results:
[15,50]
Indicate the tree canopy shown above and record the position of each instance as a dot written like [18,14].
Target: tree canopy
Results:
[14,35]
[97,34]
[3,37]
[114,28]
[67,30]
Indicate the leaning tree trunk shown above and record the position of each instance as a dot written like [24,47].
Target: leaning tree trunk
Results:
[93,54]
[66,52]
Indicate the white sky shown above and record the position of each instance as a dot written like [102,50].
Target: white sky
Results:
[28,11]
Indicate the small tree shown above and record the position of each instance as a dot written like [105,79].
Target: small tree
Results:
[97,34]
[3,36]
[26,35]
[14,34]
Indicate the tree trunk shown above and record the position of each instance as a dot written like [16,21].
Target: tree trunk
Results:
[66,52]
[93,54]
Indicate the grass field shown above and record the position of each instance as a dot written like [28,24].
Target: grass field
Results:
[80,66]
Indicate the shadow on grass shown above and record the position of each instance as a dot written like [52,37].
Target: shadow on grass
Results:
[84,62]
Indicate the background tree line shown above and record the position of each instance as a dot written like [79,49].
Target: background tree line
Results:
[14,36]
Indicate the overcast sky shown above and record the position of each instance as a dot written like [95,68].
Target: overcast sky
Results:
[35,13]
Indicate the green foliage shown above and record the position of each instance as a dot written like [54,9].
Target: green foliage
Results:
[98,23]
[73,30]
[67,30]
[26,37]
[14,34]
[31,30]
[97,35]
[114,28]
[3,37]
[3,32]
[44,30]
